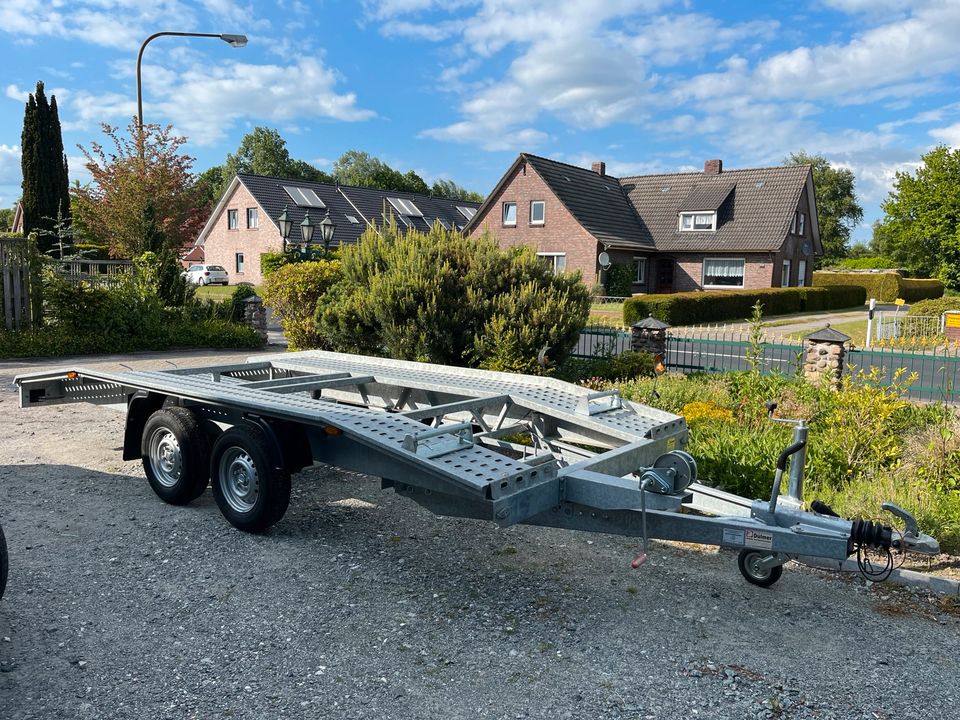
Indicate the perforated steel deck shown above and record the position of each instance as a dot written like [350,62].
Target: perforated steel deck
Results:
[632,423]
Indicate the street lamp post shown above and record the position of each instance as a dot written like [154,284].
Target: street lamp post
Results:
[232,40]
[327,228]
[307,228]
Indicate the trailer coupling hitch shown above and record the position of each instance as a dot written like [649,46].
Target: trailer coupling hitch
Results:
[912,540]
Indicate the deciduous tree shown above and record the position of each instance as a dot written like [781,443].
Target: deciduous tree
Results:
[838,211]
[132,200]
[46,194]
[921,224]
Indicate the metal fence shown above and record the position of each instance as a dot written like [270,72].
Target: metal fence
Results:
[607,300]
[602,341]
[890,326]
[713,351]
[95,272]
[936,372]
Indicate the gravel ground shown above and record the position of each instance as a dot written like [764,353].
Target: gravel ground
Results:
[359,604]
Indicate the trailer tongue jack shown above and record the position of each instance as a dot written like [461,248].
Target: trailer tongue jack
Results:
[469,443]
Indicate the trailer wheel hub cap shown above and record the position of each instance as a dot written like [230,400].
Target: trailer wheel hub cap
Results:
[165,457]
[239,480]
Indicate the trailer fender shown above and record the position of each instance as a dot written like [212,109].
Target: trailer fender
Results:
[288,444]
[140,407]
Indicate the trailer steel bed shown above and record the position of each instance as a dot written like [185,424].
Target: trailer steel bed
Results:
[494,446]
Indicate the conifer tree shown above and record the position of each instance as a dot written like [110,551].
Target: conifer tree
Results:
[46,189]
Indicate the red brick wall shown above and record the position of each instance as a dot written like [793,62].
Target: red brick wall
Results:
[560,231]
[222,245]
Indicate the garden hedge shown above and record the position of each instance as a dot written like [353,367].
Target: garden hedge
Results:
[884,286]
[687,308]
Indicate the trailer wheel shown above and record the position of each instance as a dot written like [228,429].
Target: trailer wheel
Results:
[4,566]
[250,491]
[749,564]
[175,455]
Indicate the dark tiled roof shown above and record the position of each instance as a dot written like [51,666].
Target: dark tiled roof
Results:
[755,217]
[343,202]
[706,196]
[596,201]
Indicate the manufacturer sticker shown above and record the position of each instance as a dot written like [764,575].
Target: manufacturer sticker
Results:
[732,537]
[671,444]
[758,539]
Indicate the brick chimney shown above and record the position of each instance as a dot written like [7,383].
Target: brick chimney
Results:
[600,168]
[713,167]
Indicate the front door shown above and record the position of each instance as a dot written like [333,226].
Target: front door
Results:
[664,275]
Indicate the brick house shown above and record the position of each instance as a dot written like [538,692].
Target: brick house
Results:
[705,230]
[243,225]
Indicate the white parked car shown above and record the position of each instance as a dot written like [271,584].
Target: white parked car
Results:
[206,275]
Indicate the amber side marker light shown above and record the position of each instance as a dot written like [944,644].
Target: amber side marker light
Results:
[72,375]
[333,431]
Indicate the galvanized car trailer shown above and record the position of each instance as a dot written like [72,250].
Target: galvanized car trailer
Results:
[460,442]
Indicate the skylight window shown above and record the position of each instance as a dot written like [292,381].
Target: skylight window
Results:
[443,223]
[467,212]
[405,207]
[303,197]
[353,220]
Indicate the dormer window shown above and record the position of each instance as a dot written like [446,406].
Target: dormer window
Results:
[690,221]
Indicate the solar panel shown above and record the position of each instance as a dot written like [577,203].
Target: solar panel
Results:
[405,207]
[303,197]
[467,212]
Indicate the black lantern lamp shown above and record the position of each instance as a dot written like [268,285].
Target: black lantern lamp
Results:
[286,225]
[327,228]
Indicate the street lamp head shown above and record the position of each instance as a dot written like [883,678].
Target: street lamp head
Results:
[327,228]
[306,228]
[234,40]
[286,224]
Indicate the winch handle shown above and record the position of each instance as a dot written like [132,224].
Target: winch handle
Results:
[785,455]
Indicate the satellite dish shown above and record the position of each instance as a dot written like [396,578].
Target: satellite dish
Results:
[604,259]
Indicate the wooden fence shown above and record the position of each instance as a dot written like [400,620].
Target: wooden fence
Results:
[15,278]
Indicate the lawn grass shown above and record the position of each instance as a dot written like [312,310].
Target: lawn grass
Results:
[218,292]
[606,314]
[856,329]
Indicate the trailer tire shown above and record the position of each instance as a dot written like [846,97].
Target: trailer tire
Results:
[251,492]
[762,577]
[4,564]
[175,455]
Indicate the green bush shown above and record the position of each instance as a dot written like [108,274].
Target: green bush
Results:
[273,261]
[935,307]
[627,366]
[236,301]
[874,262]
[620,278]
[293,291]
[884,286]
[720,305]
[442,297]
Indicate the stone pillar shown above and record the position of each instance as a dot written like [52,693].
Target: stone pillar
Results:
[650,335]
[823,355]
[255,315]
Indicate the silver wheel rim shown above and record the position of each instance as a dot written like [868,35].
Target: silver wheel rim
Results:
[166,459]
[753,567]
[239,479]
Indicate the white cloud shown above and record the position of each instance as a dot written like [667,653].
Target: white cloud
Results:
[204,101]
[949,135]
[9,164]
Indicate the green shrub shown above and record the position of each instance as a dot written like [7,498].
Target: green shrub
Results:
[236,301]
[720,305]
[442,297]
[293,291]
[620,278]
[626,367]
[273,261]
[884,286]
[874,262]
[935,307]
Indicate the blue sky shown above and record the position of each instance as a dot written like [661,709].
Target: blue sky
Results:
[456,88]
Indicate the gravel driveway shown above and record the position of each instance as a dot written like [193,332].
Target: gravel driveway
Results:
[360,604]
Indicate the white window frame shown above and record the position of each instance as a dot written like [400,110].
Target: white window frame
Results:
[802,273]
[785,269]
[640,277]
[557,260]
[503,214]
[693,221]
[238,262]
[255,216]
[543,212]
[802,224]
[793,224]
[233,219]
[703,273]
